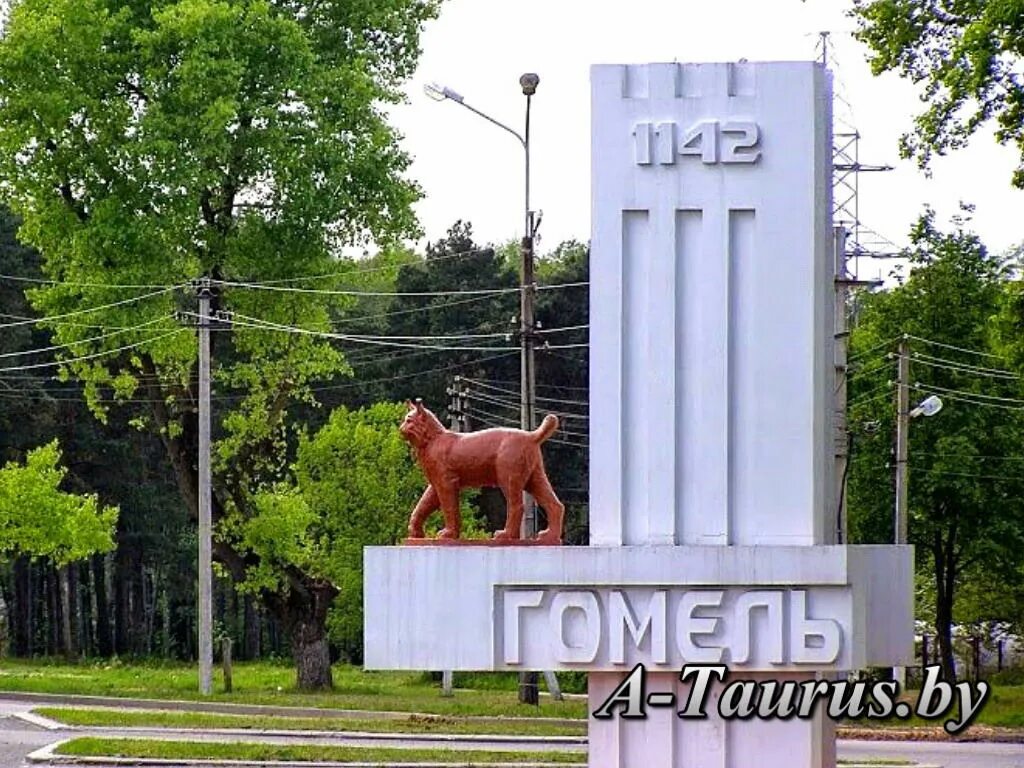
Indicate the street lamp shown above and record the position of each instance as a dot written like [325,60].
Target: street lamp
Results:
[904,413]
[528,692]
[528,82]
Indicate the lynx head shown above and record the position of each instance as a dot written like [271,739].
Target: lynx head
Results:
[420,425]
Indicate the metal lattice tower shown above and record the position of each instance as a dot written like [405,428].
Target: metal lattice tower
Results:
[861,240]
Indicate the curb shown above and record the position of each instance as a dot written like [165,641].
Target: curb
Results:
[41,722]
[47,756]
[175,705]
[301,736]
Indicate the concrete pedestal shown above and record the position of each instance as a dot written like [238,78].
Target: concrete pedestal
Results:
[713,495]
[664,740]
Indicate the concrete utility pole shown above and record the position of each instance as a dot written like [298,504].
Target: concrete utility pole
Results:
[527,328]
[842,336]
[902,434]
[529,81]
[205,495]
[528,689]
[458,423]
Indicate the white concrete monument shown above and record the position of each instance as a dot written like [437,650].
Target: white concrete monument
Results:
[712,511]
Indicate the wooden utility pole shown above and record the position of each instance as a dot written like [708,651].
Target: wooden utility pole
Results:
[205,496]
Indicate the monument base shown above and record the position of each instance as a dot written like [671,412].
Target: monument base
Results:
[425,542]
[664,740]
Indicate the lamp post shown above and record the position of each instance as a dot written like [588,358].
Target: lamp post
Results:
[528,379]
[904,413]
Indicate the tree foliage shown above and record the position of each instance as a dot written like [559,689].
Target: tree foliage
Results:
[965,503]
[967,55]
[149,143]
[38,518]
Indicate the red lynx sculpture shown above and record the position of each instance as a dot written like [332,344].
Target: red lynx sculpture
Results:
[508,459]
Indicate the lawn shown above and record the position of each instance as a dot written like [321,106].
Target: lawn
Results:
[274,684]
[119,718]
[191,750]
[1003,709]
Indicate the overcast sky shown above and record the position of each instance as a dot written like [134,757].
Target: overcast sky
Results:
[472,170]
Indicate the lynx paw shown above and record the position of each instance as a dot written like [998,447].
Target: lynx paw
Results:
[447,534]
[506,535]
[547,536]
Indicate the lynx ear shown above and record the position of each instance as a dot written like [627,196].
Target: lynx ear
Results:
[419,404]
[410,404]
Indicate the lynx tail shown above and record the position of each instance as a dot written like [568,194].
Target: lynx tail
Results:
[546,429]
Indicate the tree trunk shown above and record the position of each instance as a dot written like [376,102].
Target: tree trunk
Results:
[104,642]
[86,610]
[53,636]
[137,602]
[311,654]
[68,587]
[301,607]
[944,582]
[21,609]
[305,611]
[121,577]
[250,630]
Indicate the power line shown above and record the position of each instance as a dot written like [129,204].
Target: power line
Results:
[55,347]
[970,457]
[396,294]
[566,328]
[514,406]
[72,284]
[922,468]
[388,341]
[539,386]
[869,350]
[412,310]
[265,325]
[942,362]
[953,347]
[971,394]
[863,396]
[93,356]
[88,310]
[411,294]
[369,270]
[923,388]
[494,420]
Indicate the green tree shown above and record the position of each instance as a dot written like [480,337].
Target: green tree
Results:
[354,485]
[148,143]
[965,503]
[471,322]
[563,377]
[966,54]
[38,518]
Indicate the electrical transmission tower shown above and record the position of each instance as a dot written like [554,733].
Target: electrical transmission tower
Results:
[861,240]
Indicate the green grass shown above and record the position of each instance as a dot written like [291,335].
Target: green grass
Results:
[191,750]
[274,684]
[118,718]
[1003,709]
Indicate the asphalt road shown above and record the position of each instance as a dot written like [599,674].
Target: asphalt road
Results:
[944,753]
[18,739]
